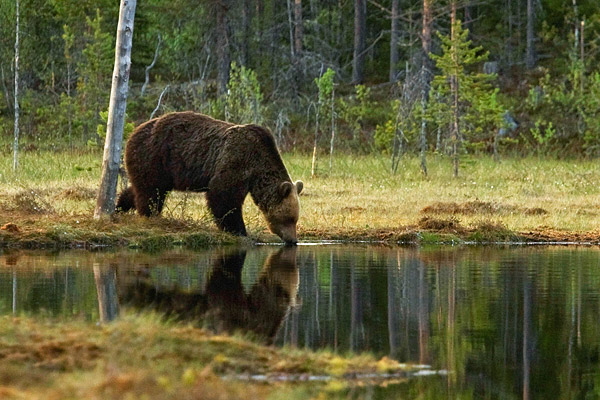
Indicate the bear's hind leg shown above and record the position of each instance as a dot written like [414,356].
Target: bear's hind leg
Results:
[229,218]
[150,204]
[126,200]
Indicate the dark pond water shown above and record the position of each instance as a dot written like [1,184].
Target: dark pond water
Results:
[519,322]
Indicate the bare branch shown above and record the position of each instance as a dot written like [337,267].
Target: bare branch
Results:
[149,67]
[159,101]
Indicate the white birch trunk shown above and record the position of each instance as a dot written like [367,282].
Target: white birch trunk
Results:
[16,139]
[105,204]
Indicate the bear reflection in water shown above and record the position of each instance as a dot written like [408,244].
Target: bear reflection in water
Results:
[224,306]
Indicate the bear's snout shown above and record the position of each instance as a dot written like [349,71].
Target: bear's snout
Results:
[287,234]
[291,242]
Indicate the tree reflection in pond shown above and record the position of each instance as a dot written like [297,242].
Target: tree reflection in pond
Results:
[222,305]
[506,322]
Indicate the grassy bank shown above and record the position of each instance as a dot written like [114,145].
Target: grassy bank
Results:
[51,198]
[146,357]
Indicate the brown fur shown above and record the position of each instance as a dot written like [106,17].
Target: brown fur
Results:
[190,151]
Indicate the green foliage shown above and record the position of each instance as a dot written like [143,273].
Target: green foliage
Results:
[591,116]
[67,50]
[325,85]
[243,100]
[384,135]
[101,130]
[94,70]
[566,110]
[543,134]
[357,110]
[479,109]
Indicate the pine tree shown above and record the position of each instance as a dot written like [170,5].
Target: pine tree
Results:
[461,98]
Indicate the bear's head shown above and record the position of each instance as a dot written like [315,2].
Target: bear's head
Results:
[283,216]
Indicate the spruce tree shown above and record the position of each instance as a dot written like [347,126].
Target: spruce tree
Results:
[461,98]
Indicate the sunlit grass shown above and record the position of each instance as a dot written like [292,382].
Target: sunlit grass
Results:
[144,356]
[357,197]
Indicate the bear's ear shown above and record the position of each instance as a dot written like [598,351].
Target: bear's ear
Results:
[285,188]
[299,186]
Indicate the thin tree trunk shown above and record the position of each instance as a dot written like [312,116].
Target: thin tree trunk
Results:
[70,107]
[223,56]
[582,55]
[509,48]
[456,142]
[105,204]
[298,28]
[394,42]
[291,28]
[332,128]
[425,78]
[576,37]
[360,27]
[530,55]
[313,169]
[6,94]
[16,100]
[454,90]
[246,17]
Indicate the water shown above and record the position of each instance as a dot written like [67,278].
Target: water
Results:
[506,322]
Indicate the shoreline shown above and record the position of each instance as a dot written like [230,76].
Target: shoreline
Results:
[156,234]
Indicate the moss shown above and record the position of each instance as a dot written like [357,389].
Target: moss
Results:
[428,238]
[490,232]
[156,243]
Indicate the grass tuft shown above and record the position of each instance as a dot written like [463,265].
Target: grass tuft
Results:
[358,199]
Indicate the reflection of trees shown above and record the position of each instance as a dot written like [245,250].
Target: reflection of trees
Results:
[29,283]
[506,322]
[106,288]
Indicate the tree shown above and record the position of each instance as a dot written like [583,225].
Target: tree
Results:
[425,78]
[223,55]
[298,28]
[360,27]
[463,99]
[394,42]
[325,103]
[92,85]
[530,53]
[16,130]
[105,204]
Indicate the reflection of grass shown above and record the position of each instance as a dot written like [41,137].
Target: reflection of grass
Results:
[52,198]
[142,355]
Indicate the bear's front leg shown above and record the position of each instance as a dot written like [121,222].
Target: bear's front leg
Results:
[227,211]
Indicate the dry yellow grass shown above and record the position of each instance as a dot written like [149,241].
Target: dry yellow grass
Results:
[358,198]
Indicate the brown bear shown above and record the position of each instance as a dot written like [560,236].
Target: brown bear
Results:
[188,151]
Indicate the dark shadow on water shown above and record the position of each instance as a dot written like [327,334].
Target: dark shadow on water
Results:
[222,305]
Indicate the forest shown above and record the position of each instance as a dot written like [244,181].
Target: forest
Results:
[392,77]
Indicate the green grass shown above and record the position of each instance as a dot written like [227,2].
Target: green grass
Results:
[143,356]
[52,196]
